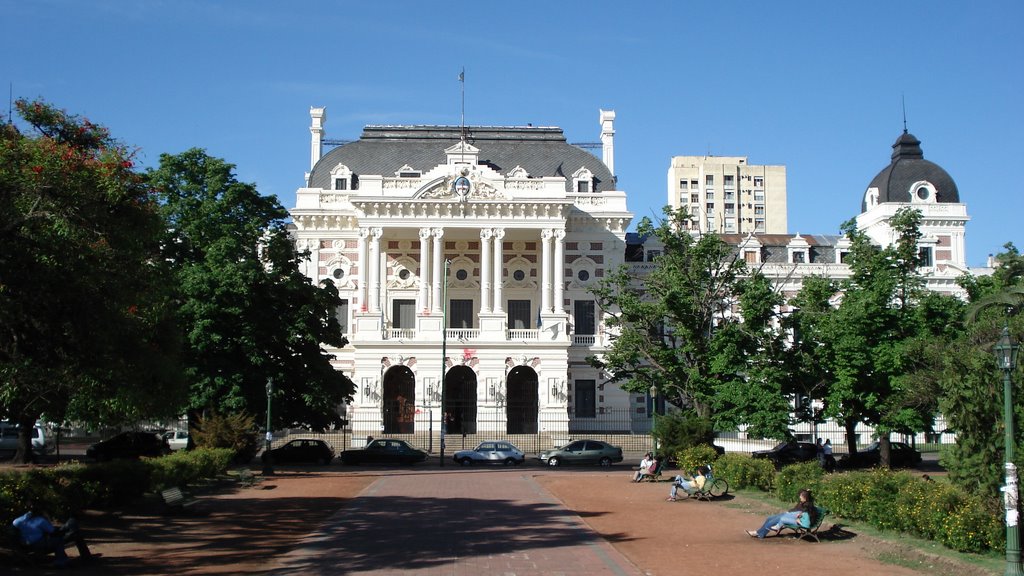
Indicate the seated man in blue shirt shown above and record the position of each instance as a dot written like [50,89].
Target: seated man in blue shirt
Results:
[39,533]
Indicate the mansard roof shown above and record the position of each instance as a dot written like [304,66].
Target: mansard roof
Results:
[541,151]
[907,168]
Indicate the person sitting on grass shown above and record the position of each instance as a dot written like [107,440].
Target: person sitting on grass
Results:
[39,533]
[688,484]
[647,467]
[793,516]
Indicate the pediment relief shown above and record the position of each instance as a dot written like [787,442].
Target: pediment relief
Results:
[444,189]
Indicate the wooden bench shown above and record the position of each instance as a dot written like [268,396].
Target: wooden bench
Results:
[175,498]
[809,532]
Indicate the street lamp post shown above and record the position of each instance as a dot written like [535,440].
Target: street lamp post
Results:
[654,418]
[1006,356]
[444,355]
[268,459]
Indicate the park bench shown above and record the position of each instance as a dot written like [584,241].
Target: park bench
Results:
[175,498]
[809,531]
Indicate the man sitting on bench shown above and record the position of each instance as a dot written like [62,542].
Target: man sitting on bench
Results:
[38,533]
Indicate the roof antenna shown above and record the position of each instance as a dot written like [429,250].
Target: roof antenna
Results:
[462,129]
[903,97]
[10,105]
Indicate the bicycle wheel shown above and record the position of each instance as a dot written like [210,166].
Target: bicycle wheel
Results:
[719,488]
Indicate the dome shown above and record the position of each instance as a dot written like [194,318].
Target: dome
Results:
[908,168]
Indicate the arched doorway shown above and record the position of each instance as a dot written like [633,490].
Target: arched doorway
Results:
[399,403]
[521,407]
[460,400]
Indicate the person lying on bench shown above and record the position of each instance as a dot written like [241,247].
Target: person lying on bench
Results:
[647,467]
[39,533]
[795,516]
[689,485]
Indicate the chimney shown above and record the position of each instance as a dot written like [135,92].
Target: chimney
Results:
[319,116]
[608,139]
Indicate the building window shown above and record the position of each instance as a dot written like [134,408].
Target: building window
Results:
[730,194]
[693,185]
[759,181]
[682,184]
[519,314]
[750,256]
[340,184]
[583,186]
[842,256]
[730,181]
[695,198]
[924,257]
[585,401]
[709,195]
[730,224]
[758,195]
[759,210]
[460,313]
[585,317]
[759,224]
[461,274]
[799,257]
[709,180]
[583,275]
[341,313]
[403,314]
[652,255]
[730,209]
[519,275]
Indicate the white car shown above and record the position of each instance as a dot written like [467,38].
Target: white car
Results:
[176,439]
[491,453]
[9,439]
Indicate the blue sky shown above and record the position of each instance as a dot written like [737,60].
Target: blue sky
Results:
[816,86]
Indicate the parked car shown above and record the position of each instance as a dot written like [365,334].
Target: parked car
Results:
[176,439]
[9,440]
[583,452]
[900,455]
[384,451]
[789,453]
[490,453]
[129,445]
[302,451]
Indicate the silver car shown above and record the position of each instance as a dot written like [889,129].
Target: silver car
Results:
[491,453]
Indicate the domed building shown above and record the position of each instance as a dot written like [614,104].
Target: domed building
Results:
[911,181]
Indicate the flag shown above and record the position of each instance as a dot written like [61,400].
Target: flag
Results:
[462,75]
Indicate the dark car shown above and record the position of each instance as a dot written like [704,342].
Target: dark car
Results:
[583,452]
[384,451]
[129,445]
[900,455]
[789,453]
[302,451]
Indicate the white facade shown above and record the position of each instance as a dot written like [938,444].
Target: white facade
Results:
[445,247]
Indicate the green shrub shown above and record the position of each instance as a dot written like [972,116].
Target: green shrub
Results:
[742,471]
[232,431]
[690,458]
[796,477]
[182,468]
[679,430]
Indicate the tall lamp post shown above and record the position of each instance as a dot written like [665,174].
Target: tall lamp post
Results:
[654,419]
[1006,356]
[268,459]
[444,355]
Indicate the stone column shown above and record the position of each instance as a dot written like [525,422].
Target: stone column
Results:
[424,304]
[499,268]
[374,268]
[485,270]
[437,276]
[545,270]
[559,271]
[363,275]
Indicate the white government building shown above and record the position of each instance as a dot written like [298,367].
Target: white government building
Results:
[469,252]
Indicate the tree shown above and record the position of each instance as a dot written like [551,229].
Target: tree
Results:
[248,313]
[679,329]
[870,345]
[85,325]
[970,381]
